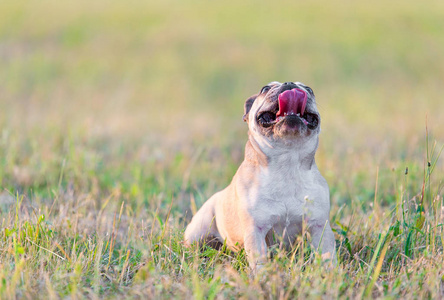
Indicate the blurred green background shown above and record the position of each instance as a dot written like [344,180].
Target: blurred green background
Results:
[148,95]
[119,118]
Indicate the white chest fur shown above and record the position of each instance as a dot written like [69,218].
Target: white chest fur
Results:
[288,192]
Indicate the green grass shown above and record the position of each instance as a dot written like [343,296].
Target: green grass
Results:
[118,119]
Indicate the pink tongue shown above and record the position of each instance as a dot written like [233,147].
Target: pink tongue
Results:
[292,102]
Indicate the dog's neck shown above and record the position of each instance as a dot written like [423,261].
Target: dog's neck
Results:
[254,154]
[291,155]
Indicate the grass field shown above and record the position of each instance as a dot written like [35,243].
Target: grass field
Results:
[119,119]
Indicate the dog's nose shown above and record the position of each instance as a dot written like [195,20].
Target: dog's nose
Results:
[288,83]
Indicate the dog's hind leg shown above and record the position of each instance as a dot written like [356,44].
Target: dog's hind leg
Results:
[203,228]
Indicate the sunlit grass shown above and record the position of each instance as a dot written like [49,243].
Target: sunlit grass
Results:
[117,118]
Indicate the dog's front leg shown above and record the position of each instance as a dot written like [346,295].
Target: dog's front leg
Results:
[256,247]
[323,240]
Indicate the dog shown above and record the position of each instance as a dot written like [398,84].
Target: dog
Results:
[278,188]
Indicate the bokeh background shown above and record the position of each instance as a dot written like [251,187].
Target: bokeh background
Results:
[118,119]
[158,87]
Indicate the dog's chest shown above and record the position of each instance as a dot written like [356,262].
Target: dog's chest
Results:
[283,193]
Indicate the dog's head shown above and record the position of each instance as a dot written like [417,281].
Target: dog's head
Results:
[283,113]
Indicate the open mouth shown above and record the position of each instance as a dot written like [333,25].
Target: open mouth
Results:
[291,104]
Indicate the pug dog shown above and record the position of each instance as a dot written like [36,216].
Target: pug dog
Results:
[278,188]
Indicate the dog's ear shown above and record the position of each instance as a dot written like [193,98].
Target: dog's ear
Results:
[248,105]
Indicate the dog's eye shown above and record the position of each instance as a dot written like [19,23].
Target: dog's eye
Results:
[309,90]
[265,89]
